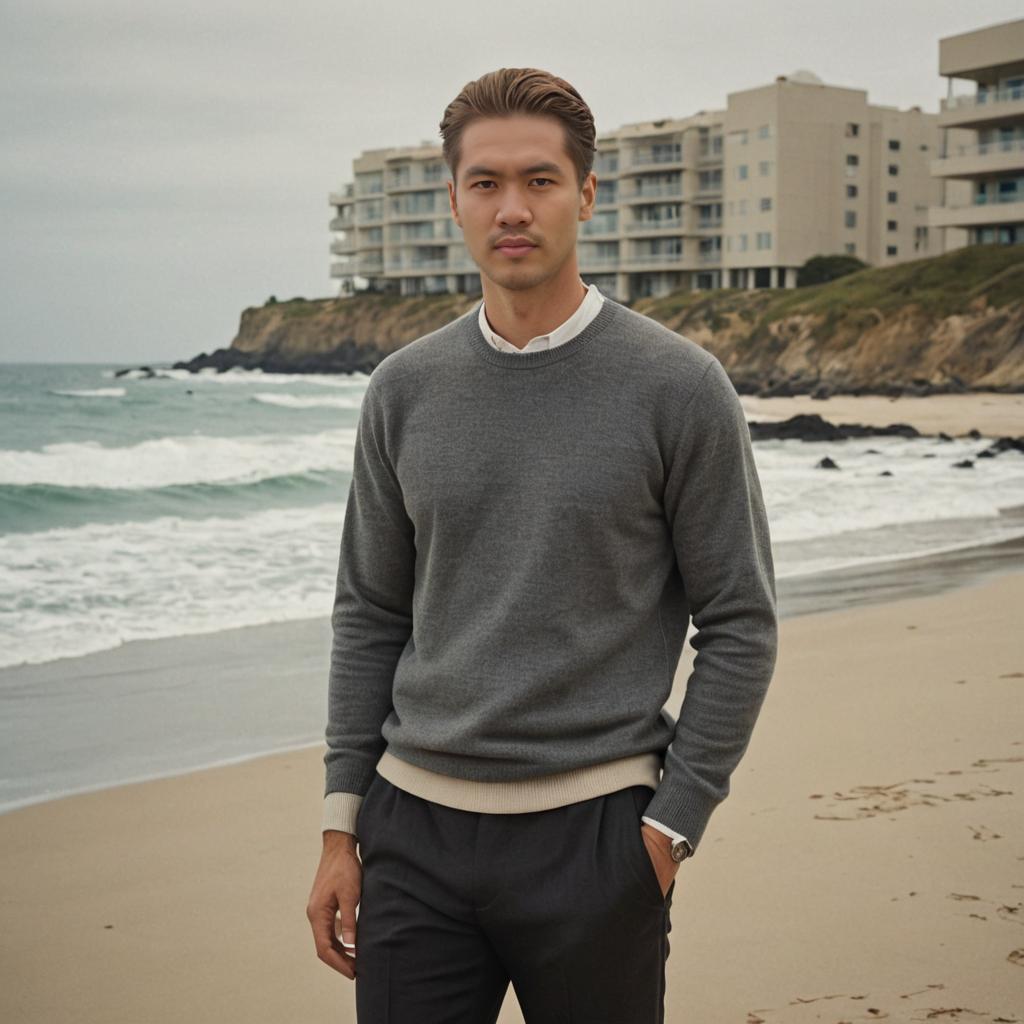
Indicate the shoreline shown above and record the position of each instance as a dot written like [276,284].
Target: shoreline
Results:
[874,806]
[160,688]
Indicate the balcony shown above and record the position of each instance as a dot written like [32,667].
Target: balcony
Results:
[639,195]
[655,158]
[598,262]
[997,106]
[654,227]
[985,160]
[343,246]
[341,223]
[346,194]
[990,213]
[658,258]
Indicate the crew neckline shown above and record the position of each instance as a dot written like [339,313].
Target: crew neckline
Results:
[608,312]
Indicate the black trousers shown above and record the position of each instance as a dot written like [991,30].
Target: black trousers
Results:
[565,904]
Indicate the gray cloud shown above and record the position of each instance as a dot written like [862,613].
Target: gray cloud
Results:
[166,165]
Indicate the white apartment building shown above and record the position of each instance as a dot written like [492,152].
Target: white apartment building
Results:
[739,197]
[981,163]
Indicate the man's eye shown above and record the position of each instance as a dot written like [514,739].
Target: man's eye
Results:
[542,179]
[474,185]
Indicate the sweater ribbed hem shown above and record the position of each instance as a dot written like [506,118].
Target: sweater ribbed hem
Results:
[603,319]
[538,794]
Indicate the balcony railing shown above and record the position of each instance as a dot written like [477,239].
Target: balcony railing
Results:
[655,192]
[1005,95]
[986,149]
[655,257]
[655,225]
[986,200]
[647,158]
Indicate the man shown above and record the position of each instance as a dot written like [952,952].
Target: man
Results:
[544,491]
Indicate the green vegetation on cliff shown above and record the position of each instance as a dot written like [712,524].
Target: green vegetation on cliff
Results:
[950,322]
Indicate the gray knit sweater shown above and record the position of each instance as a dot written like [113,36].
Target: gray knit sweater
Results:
[525,540]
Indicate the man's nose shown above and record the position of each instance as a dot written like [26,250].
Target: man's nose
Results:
[514,209]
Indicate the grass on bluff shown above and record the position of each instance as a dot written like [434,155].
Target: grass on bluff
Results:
[940,285]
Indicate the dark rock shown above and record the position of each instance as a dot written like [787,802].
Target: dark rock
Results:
[812,427]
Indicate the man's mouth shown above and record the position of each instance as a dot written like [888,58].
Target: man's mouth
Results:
[516,249]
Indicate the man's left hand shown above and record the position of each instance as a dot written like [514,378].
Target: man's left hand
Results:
[659,849]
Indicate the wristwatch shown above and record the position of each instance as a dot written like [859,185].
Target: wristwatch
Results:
[681,849]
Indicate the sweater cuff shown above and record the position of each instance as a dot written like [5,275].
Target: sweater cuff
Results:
[684,809]
[340,812]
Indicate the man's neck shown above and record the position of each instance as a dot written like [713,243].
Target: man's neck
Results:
[519,317]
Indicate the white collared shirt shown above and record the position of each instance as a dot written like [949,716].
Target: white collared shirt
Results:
[586,312]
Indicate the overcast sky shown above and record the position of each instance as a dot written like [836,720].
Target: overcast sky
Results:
[165,165]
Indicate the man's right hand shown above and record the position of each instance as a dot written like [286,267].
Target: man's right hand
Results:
[337,887]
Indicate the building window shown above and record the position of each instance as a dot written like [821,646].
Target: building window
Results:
[890,225]
[894,144]
[743,243]
[741,172]
[852,160]
[852,130]
[893,170]
[742,203]
[764,132]
[764,239]
[890,250]
[766,203]
[851,218]
[851,191]
[892,197]
[850,248]
[764,168]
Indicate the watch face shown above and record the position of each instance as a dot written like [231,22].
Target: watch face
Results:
[680,851]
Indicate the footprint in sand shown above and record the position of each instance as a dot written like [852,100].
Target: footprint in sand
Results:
[887,798]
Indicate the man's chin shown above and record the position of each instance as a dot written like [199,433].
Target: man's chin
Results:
[516,279]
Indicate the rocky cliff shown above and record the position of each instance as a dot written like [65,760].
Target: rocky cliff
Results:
[951,323]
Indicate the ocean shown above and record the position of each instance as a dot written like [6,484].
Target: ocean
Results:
[136,508]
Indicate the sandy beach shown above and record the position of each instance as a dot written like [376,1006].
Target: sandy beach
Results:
[868,864]
[990,413]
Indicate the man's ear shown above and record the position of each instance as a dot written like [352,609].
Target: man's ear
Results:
[588,196]
[452,203]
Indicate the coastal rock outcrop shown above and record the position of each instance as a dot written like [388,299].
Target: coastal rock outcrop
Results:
[950,323]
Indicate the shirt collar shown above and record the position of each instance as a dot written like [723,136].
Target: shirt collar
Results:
[585,312]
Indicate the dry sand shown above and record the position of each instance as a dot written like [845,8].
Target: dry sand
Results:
[868,864]
[991,413]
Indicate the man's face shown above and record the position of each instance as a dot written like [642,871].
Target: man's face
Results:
[516,180]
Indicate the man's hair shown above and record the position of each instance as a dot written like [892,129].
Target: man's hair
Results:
[509,91]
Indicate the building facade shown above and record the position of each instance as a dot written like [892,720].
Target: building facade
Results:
[981,163]
[738,198]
